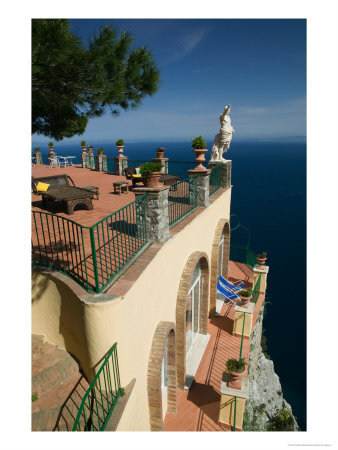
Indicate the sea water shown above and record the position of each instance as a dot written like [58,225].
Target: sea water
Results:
[269,196]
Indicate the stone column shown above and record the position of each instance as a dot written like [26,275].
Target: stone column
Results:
[164,162]
[89,159]
[203,177]
[121,163]
[38,158]
[226,171]
[157,216]
[84,159]
[101,163]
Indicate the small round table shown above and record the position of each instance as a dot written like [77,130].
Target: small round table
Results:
[120,185]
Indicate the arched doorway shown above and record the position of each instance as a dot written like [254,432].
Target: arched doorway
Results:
[219,259]
[161,378]
[191,310]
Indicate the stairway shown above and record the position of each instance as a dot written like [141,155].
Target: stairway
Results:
[57,387]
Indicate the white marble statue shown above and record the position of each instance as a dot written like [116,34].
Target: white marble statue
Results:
[223,138]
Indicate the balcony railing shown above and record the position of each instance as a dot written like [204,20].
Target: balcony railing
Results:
[215,180]
[182,199]
[180,168]
[92,256]
[101,397]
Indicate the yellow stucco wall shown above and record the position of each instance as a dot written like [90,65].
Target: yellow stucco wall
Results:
[130,321]
[238,323]
[227,410]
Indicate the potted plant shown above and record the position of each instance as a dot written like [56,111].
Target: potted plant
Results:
[160,152]
[236,368]
[120,144]
[100,150]
[199,144]
[37,149]
[83,145]
[51,145]
[90,148]
[261,258]
[245,296]
[151,173]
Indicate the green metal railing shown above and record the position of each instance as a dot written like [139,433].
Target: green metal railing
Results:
[257,290]
[180,168]
[101,397]
[111,167]
[215,180]
[242,252]
[240,356]
[93,255]
[182,199]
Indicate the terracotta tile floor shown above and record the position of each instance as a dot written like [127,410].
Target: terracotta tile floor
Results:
[108,201]
[198,408]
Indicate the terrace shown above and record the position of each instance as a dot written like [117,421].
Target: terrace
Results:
[95,247]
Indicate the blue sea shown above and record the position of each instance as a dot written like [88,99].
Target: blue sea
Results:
[269,196]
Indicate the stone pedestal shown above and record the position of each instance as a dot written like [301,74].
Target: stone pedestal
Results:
[264,274]
[157,216]
[38,158]
[232,399]
[121,163]
[226,171]
[90,160]
[203,177]
[163,162]
[84,160]
[240,313]
[101,163]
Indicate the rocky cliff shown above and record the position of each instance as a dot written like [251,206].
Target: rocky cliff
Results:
[266,409]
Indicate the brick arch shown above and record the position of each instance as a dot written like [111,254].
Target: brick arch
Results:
[222,228]
[164,331]
[183,290]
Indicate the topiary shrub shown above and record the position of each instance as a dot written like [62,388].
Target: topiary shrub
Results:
[150,167]
[119,143]
[198,143]
[235,365]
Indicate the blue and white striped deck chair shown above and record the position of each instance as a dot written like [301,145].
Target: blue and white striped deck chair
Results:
[231,296]
[233,287]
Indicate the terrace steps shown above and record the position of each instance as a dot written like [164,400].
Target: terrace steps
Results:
[58,385]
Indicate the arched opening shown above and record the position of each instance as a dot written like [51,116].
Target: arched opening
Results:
[191,313]
[161,377]
[219,259]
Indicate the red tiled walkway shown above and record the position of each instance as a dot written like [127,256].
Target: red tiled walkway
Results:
[198,408]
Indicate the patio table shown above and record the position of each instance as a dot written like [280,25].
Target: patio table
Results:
[69,195]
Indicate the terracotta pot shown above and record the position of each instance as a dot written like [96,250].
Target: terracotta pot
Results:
[90,149]
[235,380]
[51,149]
[160,154]
[245,301]
[100,152]
[200,158]
[84,148]
[120,148]
[36,152]
[152,179]
[261,261]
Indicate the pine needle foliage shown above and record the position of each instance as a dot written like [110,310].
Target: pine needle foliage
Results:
[71,83]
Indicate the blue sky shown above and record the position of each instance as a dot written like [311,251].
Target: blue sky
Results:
[256,65]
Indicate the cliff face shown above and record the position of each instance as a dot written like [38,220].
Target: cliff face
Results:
[266,409]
